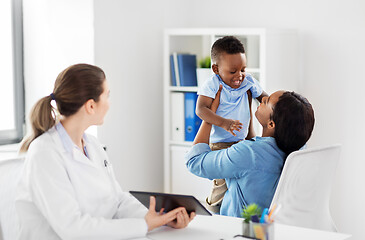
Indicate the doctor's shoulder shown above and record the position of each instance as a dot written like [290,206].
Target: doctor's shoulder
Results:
[44,147]
[44,141]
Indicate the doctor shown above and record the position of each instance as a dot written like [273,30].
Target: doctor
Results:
[68,189]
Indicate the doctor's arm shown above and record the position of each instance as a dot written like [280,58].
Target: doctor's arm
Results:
[130,207]
[54,196]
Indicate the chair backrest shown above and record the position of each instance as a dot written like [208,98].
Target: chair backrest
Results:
[10,173]
[304,188]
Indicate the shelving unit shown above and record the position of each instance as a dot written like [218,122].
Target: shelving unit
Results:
[183,89]
[177,179]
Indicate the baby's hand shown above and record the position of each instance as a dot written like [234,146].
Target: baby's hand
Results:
[231,125]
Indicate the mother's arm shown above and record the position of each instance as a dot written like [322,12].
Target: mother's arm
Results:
[232,162]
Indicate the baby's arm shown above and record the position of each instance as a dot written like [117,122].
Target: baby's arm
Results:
[205,113]
[251,131]
[263,94]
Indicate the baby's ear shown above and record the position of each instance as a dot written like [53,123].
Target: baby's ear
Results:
[215,68]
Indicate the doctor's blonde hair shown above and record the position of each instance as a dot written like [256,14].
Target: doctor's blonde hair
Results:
[73,87]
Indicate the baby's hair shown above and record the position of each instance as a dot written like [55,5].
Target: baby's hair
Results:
[227,44]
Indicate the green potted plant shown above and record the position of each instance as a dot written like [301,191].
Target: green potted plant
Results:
[203,72]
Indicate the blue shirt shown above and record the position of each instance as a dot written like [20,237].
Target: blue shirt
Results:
[233,104]
[251,168]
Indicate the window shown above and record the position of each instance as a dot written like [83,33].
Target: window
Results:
[11,69]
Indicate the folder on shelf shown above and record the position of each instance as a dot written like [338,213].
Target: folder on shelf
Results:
[192,121]
[174,69]
[187,69]
[177,117]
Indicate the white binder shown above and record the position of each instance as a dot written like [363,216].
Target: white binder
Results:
[177,117]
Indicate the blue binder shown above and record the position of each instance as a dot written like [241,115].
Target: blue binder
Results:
[172,70]
[192,121]
[187,69]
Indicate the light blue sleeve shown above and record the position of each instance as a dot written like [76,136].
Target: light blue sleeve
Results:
[210,87]
[255,88]
[232,162]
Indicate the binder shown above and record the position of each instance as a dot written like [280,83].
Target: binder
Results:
[187,69]
[192,121]
[177,116]
[174,69]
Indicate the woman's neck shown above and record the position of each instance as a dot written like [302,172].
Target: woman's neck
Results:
[268,132]
[75,128]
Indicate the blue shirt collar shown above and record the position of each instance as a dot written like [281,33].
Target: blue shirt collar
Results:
[243,84]
[68,144]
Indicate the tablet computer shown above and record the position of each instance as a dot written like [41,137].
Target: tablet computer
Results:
[171,201]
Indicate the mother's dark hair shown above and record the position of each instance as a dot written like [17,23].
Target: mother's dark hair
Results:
[294,121]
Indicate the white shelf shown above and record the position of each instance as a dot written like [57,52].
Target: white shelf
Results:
[183,89]
[214,31]
[198,41]
[253,70]
[180,143]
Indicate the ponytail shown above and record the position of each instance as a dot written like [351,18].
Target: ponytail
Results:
[73,87]
[42,117]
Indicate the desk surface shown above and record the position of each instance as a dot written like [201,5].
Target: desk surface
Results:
[222,227]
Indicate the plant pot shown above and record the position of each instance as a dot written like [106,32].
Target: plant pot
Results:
[247,229]
[203,74]
[262,231]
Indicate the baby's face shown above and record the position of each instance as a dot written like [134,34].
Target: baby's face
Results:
[231,68]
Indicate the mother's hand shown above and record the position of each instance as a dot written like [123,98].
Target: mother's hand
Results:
[215,103]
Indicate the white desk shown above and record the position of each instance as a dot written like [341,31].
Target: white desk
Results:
[220,227]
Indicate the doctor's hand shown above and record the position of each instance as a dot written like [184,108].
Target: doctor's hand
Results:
[177,218]
[182,219]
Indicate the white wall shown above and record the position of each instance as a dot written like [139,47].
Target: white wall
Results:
[57,34]
[128,45]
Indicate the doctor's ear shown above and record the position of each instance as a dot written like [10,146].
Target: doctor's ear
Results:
[90,106]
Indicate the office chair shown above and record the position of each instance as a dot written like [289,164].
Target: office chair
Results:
[304,188]
[10,173]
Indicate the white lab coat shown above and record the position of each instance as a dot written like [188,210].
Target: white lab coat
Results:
[65,195]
